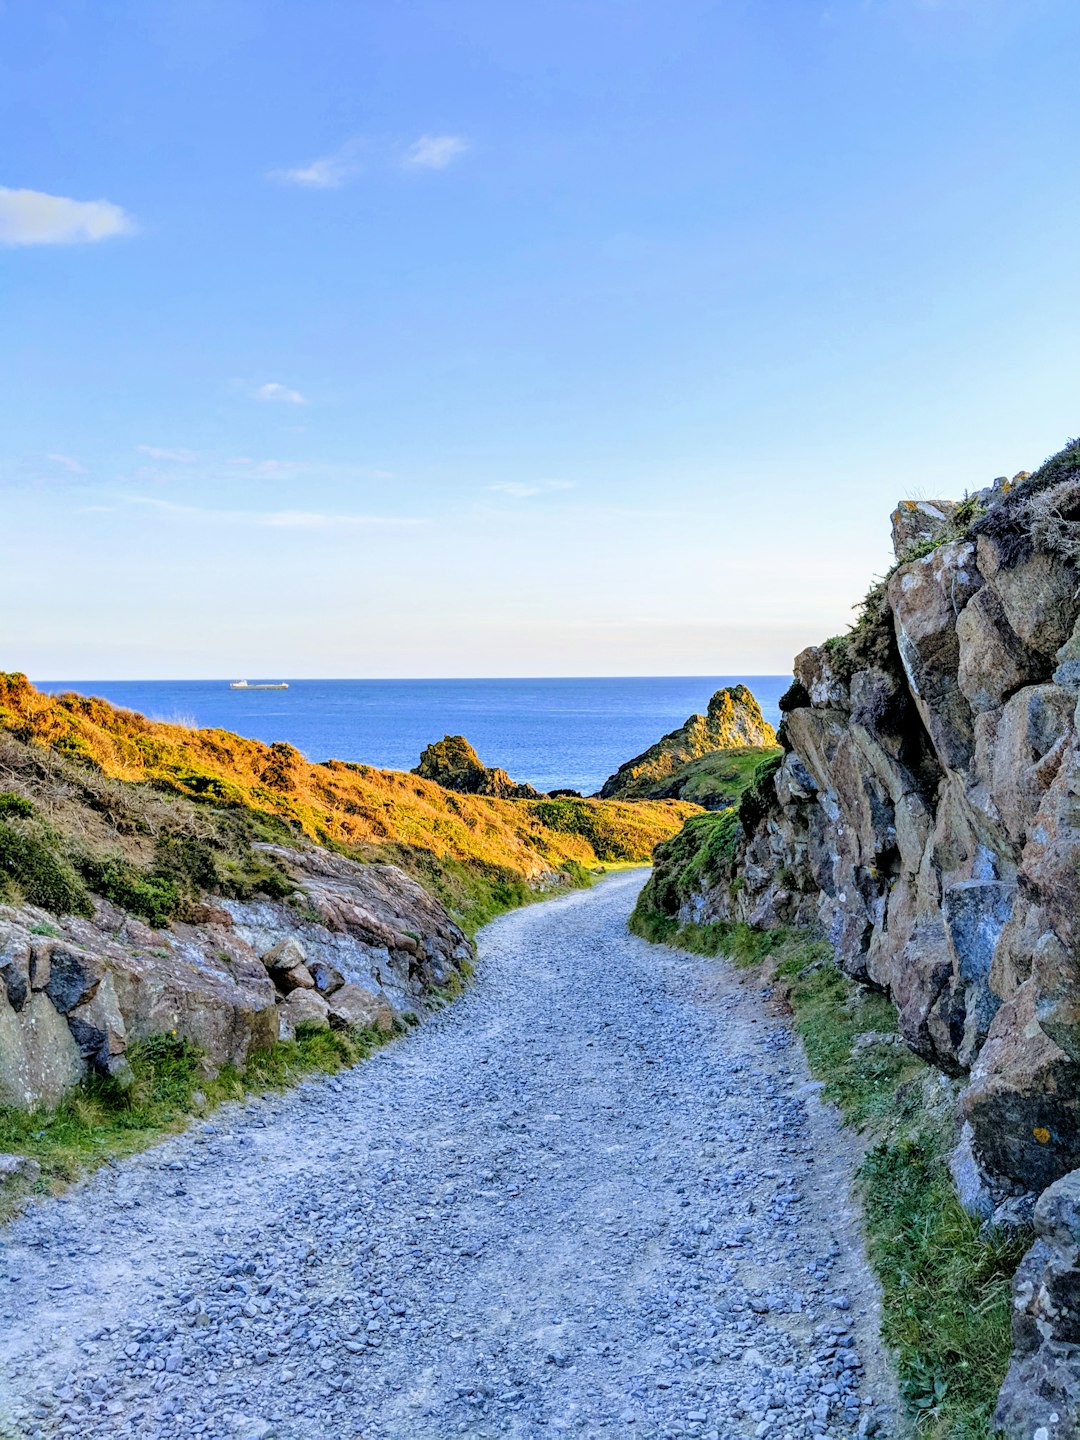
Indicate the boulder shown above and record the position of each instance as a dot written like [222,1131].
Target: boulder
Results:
[302,1007]
[326,977]
[1041,1394]
[39,1056]
[1023,1099]
[299,978]
[920,522]
[286,955]
[354,1008]
[1038,594]
[17,1172]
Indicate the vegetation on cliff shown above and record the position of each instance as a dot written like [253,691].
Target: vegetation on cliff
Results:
[152,815]
[733,724]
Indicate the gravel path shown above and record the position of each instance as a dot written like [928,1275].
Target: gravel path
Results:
[594,1197]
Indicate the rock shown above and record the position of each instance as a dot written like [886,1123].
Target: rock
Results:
[1041,1393]
[286,955]
[99,1030]
[733,720]
[919,522]
[39,1056]
[327,978]
[15,968]
[971,1188]
[74,976]
[353,1008]
[17,1172]
[926,597]
[302,1007]
[299,978]
[453,763]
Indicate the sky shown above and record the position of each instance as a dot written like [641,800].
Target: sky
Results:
[470,338]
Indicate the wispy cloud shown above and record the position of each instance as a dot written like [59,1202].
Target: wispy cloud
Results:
[29,217]
[158,452]
[69,463]
[329,172]
[435,152]
[269,469]
[278,519]
[520,489]
[282,393]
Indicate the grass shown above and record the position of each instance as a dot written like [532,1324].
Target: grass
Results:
[152,814]
[717,781]
[101,1121]
[945,1280]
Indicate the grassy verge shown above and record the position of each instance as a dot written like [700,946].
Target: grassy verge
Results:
[945,1281]
[100,1121]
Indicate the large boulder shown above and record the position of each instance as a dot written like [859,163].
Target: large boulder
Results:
[354,1008]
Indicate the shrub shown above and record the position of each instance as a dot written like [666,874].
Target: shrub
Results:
[34,866]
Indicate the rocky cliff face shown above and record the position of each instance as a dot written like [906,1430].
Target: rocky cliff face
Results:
[453,763]
[926,818]
[354,946]
[733,721]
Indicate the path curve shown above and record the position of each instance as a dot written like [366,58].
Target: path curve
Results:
[594,1197]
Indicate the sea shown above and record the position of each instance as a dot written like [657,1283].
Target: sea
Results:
[553,733]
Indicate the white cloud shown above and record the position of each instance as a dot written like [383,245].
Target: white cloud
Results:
[156,452]
[435,152]
[277,519]
[68,462]
[520,490]
[29,217]
[329,172]
[274,391]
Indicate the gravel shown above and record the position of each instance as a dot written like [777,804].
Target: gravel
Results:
[595,1197]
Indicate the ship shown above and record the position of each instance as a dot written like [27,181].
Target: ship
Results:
[244,685]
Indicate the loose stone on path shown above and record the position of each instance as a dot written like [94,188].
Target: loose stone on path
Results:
[595,1197]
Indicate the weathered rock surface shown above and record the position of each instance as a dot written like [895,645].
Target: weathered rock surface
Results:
[733,719]
[74,992]
[453,763]
[926,819]
[916,522]
[1041,1394]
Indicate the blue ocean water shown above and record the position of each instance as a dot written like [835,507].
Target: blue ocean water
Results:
[551,733]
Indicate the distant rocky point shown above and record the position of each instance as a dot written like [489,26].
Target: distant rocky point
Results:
[453,763]
[732,722]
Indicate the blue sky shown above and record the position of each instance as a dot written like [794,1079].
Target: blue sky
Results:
[597,336]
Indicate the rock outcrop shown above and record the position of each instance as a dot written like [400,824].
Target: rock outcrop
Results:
[354,946]
[733,720]
[926,819]
[453,763]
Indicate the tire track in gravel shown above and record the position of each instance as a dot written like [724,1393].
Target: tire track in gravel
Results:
[594,1197]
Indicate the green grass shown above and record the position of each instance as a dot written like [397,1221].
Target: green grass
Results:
[101,1120]
[945,1282]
